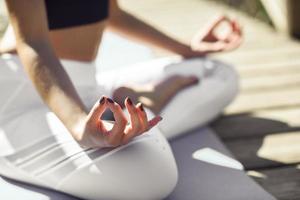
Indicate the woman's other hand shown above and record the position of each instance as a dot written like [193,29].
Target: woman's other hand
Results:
[210,41]
[97,133]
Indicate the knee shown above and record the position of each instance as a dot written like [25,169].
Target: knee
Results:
[152,172]
[144,169]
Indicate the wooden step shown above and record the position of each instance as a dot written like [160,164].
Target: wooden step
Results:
[259,123]
[250,102]
[283,183]
[269,69]
[271,56]
[267,83]
[272,150]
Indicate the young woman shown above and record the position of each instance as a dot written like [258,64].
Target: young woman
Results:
[56,42]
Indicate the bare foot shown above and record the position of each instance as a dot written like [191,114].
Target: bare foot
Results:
[155,96]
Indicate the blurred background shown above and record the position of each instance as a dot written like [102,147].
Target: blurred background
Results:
[252,7]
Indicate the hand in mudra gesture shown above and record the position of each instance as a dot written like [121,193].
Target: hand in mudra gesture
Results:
[208,41]
[97,133]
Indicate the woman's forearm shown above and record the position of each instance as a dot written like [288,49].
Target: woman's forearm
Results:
[52,83]
[135,29]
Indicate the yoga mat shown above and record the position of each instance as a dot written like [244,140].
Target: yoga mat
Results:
[13,190]
[206,172]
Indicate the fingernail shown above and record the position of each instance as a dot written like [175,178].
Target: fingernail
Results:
[102,100]
[129,101]
[141,107]
[110,100]
[194,79]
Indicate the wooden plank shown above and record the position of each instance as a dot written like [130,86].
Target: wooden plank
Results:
[288,45]
[269,151]
[244,126]
[267,83]
[259,123]
[251,45]
[291,117]
[283,183]
[262,57]
[199,12]
[269,69]
[249,102]
[172,19]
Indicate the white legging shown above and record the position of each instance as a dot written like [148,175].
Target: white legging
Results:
[36,148]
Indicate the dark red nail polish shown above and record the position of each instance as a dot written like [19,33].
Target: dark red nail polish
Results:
[141,107]
[102,100]
[110,100]
[129,101]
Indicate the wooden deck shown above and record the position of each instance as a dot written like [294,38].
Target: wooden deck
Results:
[262,126]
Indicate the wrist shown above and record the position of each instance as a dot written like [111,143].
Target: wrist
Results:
[182,49]
[187,52]
[77,126]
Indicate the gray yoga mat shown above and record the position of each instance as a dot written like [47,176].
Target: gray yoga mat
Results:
[13,190]
[198,180]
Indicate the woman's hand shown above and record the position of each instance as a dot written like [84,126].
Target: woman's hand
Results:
[97,133]
[209,41]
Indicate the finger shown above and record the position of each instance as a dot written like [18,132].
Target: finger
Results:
[154,121]
[236,28]
[143,117]
[97,110]
[236,31]
[236,42]
[117,131]
[217,21]
[135,123]
[229,37]
[211,37]
[151,123]
[208,33]
[211,47]
[134,117]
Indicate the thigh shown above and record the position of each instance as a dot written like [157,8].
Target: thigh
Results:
[143,169]
[217,87]
[41,151]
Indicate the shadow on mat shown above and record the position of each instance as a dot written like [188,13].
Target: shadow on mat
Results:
[48,193]
[246,135]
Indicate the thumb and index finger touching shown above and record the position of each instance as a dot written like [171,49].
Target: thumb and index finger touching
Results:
[120,118]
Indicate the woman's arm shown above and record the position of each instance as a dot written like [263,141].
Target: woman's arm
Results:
[125,24]
[40,62]
[56,89]
[122,22]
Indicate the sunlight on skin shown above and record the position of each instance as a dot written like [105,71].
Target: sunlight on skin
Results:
[276,147]
[257,174]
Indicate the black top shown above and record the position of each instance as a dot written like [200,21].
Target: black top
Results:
[67,13]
